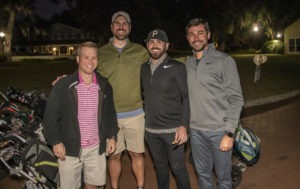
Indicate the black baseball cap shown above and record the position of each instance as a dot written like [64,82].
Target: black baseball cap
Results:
[157,34]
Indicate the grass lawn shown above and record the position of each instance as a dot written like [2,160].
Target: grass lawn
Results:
[280,74]
[34,74]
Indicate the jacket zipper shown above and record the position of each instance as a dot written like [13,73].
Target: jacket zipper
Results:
[76,108]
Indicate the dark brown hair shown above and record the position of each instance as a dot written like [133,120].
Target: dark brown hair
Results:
[196,22]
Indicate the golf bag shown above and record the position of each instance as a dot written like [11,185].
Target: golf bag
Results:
[40,156]
[246,145]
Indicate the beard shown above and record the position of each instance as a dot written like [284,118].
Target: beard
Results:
[121,36]
[156,55]
[198,48]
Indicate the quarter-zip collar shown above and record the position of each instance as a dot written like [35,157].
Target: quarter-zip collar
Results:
[206,52]
[153,67]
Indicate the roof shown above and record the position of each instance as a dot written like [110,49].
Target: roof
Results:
[296,24]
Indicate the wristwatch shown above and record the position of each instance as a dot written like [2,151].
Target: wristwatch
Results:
[229,134]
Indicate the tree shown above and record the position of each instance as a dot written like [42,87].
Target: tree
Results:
[12,8]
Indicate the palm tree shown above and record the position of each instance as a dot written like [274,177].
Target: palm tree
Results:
[12,8]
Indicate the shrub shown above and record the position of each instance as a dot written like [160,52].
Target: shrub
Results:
[272,47]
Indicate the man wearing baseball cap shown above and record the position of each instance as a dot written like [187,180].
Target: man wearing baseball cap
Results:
[164,86]
[121,13]
[157,34]
[120,61]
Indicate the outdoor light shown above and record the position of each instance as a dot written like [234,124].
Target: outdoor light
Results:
[71,48]
[278,35]
[255,28]
[54,49]
[256,32]
[2,34]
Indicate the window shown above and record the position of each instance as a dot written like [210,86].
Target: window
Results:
[63,50]
[298,45]
[291,45]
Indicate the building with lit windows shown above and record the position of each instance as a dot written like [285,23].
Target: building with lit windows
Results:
[292,38]
[62,40]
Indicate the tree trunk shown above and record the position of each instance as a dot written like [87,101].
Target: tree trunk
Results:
[8,37]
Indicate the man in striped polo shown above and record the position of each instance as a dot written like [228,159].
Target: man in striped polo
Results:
[81,123]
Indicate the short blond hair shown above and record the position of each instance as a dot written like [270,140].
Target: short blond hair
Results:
[89,44]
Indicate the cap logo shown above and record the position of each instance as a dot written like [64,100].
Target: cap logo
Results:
[154,33]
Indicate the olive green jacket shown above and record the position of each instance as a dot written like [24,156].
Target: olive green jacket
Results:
[123,72]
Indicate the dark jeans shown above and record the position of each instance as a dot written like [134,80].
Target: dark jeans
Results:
[163,153]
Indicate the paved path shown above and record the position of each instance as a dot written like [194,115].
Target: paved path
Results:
[277,125]
[279,131]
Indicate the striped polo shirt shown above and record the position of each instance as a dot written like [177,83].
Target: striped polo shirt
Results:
[88,112]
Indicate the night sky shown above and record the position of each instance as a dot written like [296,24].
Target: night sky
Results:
[46,9]
[230,21]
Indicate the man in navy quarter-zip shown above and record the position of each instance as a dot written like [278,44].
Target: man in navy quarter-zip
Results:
[167,111]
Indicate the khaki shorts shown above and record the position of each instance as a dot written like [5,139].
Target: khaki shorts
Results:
[131,134]
[91,164]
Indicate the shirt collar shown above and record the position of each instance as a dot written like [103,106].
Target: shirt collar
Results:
[94,78]
[160,60]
